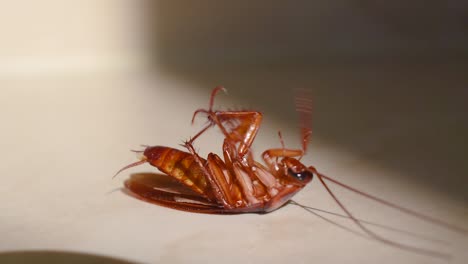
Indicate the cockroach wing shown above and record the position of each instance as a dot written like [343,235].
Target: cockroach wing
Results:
[170,193]
[163,190]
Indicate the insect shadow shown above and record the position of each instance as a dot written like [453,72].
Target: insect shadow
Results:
[163,190]
[318,212]
[162,182]
[237,183]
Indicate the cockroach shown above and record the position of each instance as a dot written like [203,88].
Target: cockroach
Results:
[239,184]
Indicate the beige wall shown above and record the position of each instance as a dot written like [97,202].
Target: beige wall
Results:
[57,36]
[53,35]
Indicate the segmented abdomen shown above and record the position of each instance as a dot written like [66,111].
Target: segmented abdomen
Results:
[180,165]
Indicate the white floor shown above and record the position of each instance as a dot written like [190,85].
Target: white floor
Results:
[63,138]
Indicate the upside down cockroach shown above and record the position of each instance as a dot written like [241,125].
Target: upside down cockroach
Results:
[239,184]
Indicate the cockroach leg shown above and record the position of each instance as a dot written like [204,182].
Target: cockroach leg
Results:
[304,108]
[282,145]
[239,184]
[210,177]
[192,139]
[238,126]
[210,106]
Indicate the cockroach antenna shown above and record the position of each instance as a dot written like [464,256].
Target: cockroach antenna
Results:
[130,166]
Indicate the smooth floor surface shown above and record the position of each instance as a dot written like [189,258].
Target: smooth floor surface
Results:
[63,139]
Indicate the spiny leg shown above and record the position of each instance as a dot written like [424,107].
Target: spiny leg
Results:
[238,126]
[271,156]
[192,139]
[304,108]
[210,107]
[214,182]
[209,112]
[282,145]
[213,94]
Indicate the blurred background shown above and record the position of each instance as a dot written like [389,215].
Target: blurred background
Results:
[389,79]
[83,81]
[383,74]
[215,33]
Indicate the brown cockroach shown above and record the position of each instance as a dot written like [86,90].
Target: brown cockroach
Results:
[239,184]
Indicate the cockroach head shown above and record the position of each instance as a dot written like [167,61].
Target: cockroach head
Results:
[297,171]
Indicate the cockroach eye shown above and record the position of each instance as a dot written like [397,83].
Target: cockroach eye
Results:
[302,175]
